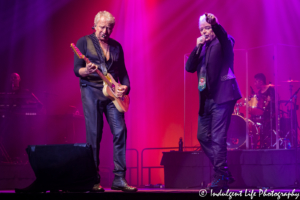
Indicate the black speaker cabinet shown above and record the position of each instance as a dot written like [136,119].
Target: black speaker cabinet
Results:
[61,167]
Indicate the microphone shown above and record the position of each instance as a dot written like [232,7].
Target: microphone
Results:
[199,45]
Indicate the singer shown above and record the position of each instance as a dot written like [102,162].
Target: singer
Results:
[212,58]
[107,53]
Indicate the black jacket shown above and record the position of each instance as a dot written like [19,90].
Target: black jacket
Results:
[116,68]
[221,80]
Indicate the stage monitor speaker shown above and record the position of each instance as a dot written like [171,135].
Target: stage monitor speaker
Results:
[61,167]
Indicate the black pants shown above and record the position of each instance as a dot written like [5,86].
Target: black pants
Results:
[94,105]
[213,124]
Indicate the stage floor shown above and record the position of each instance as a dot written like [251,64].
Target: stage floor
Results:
[153,194]
[264,168]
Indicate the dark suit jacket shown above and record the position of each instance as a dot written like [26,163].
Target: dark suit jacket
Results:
[116,68]
[221,80]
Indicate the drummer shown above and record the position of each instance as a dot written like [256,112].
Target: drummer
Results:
[266,97]
[265,92]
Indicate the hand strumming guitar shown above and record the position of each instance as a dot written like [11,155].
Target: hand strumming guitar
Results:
[122,89]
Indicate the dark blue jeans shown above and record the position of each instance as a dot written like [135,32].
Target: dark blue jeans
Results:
[94,105]
[213,124]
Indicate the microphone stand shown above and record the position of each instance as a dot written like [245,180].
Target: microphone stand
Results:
[293,110]
[271,121]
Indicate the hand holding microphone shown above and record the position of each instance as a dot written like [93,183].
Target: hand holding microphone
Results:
[200,42]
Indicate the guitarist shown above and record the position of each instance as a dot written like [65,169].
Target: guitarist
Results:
[107,55]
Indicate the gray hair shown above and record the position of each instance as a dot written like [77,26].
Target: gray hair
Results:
[202,18]
[106,15]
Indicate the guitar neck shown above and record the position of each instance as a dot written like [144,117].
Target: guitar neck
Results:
[99,73]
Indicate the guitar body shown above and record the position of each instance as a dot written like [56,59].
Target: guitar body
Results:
[121,103]
[110,85]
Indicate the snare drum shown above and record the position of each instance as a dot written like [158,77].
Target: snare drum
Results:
[236,135]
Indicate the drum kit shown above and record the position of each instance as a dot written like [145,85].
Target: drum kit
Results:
[261,123]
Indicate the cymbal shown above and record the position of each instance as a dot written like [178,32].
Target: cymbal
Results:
[272,85]
[283,101]
[291,81]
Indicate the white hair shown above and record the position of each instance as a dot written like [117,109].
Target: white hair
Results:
[202,19]
[109,17]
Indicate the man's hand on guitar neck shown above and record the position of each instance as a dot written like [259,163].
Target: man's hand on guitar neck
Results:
[122,89]
[88,69]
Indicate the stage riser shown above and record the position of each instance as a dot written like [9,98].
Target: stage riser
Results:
[251,169]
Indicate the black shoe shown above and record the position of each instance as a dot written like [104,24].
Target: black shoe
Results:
[97,188]
[219,183]
[120,183]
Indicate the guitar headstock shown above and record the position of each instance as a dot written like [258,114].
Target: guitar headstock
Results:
[76,51]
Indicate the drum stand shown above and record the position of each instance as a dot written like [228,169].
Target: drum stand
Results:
[252,142]
[266,129]
[294,108]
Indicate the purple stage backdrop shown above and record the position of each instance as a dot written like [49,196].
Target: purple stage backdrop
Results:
[155,35]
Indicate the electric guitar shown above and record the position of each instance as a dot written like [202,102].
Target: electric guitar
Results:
[110,85]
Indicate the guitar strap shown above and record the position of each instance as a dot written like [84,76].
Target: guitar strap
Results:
[99,53]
